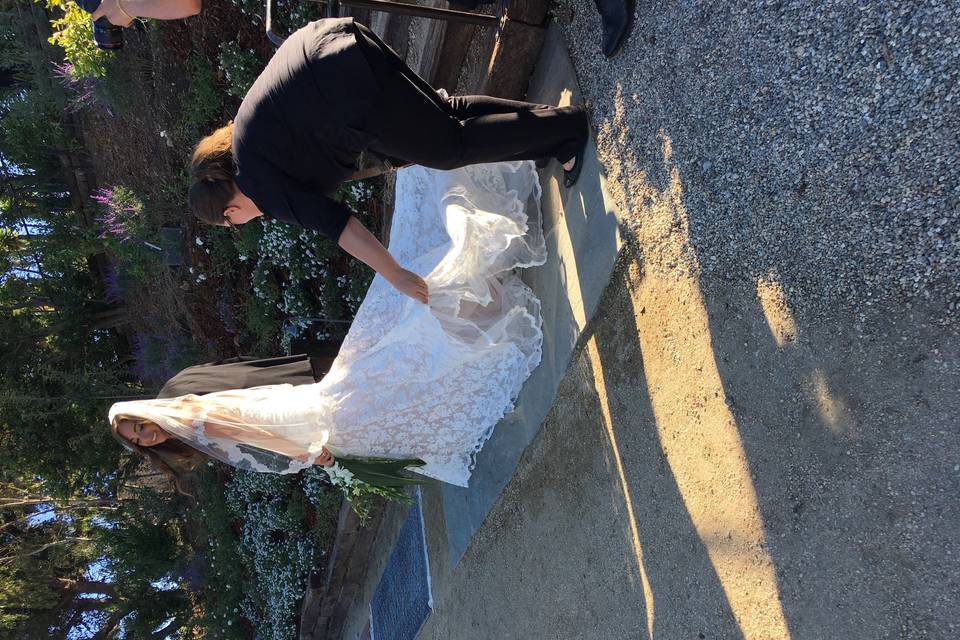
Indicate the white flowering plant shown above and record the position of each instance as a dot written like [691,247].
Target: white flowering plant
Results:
[259,540]
[222,563]
[240,67]
[275,546]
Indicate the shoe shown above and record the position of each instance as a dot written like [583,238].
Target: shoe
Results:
[570,177]
[616,17]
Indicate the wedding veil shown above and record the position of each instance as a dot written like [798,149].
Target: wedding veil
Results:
[243,427]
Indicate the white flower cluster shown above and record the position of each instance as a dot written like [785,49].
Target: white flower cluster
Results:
[239,67]
[339,475]
[309,288]
[276,548]
[315,485]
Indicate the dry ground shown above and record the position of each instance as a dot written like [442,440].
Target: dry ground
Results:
[758,436]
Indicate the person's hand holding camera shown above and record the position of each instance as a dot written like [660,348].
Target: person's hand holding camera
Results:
[113,11]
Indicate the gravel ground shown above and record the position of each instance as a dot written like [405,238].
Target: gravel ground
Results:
[816,142]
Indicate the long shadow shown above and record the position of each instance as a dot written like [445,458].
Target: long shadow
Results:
[847,417]
[847,433]
[665,519]
[688,599]
[592,537]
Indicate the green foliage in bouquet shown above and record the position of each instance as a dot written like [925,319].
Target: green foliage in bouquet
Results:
[363,479]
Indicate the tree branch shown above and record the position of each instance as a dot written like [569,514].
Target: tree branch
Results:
[42,548]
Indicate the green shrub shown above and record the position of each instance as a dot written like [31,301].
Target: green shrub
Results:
[130,232]
[202,106]
[224,570]
[276,549]
[250,8]
[32,133]
[263,323]
[73,32]
[239,67]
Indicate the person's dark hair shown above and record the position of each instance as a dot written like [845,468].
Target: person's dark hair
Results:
[172,458]
[212,171]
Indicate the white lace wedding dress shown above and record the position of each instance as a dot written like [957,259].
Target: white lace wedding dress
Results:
[411,380]
[431,381]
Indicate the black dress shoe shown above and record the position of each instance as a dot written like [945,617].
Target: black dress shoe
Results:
[570,177]
[616,16]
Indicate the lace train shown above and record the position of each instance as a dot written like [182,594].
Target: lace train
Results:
[431,381]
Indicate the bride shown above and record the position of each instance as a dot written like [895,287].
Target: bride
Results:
[412,380]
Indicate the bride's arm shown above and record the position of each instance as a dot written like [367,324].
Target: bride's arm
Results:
[264,439]
[364,246]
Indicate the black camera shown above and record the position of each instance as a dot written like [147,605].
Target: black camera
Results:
[106,35]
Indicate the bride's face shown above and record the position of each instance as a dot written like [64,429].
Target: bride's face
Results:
[141,432]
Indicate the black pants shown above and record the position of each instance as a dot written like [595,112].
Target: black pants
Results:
[414,124]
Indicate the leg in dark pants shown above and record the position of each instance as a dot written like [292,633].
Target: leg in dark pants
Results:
[416,125]
[466,107]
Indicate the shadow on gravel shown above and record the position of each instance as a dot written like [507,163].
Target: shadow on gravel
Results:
[782,171]
[843,420]
[682,594]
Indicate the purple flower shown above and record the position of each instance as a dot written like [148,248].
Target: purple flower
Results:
[82,91]
[64,71]
[116,218]
[154,356]
[139,355]
[104,196]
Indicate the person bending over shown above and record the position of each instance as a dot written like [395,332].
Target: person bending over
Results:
[335,100]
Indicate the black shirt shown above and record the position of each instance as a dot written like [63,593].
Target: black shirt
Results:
[303,125]
[241,373]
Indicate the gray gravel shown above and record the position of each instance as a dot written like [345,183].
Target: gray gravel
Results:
[814,140]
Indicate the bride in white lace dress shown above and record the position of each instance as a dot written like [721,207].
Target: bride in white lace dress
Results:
[411,380]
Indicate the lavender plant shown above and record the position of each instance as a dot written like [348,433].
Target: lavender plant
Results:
[128,232]
[81,89]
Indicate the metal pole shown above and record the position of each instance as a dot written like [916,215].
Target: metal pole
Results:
[272,35]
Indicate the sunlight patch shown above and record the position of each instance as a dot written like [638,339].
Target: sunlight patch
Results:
[780,319]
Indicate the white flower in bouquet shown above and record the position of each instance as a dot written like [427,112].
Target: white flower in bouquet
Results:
[339,476]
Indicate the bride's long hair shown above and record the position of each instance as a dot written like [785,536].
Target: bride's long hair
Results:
[173,458]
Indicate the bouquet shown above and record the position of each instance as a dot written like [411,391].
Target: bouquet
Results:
[361,479]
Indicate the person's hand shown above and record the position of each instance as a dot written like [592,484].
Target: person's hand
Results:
[325,459]
[114,12]
[409,283]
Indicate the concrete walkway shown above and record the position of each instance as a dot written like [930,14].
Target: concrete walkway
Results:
[756,437]
[582,244]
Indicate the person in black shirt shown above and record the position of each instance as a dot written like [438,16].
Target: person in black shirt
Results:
[333,101]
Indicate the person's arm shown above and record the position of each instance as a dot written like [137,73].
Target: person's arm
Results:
[122,12]
[307,208]
[264,439]
[364,246]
